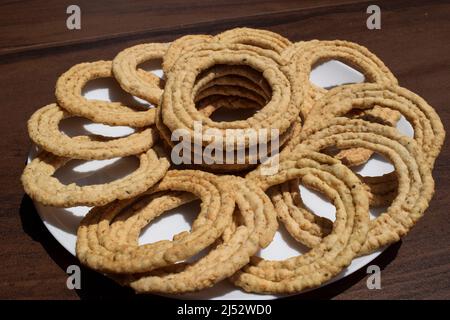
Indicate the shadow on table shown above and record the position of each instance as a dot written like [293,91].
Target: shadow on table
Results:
[93,284]
[97,286]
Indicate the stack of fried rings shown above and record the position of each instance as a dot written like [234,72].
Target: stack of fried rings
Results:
[225,64]
[264,73]
[101,247]
[428,135]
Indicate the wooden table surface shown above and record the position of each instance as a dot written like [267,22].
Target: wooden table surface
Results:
[36,47]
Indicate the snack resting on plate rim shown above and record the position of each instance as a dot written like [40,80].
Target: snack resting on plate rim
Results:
[39,184]
[69,96]
[134,80]
[43,128]
[336,250]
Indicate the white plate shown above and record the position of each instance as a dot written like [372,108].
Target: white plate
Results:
[63,223]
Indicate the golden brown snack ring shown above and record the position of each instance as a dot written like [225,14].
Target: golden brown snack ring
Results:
[428,129]
[415,182]
[304,55]
[263,39]
[69,96]
[359,156]
[136,81]
[298,220]
[96,248]
[255,230]
[210,101]
[43,128]
[181,45]
[429,132]
[304,226]
[250,160]
[178,109]
[336,250]
[216,72]
[39,184]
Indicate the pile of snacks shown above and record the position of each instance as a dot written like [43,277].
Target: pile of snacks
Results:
[241,205]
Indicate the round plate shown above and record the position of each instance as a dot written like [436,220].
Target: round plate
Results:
[63,222]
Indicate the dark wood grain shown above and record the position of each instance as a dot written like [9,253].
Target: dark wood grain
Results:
[27,25]
[35,48]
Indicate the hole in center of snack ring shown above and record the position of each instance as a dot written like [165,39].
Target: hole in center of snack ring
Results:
[376,166]
[333,73]
[283,246]
[108,89]
[84,173]
[227,93]
[362,161]
[228,115]
[317,203]
[77,126]
[153,66]
[170,223]
[312,204]
[405,127]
